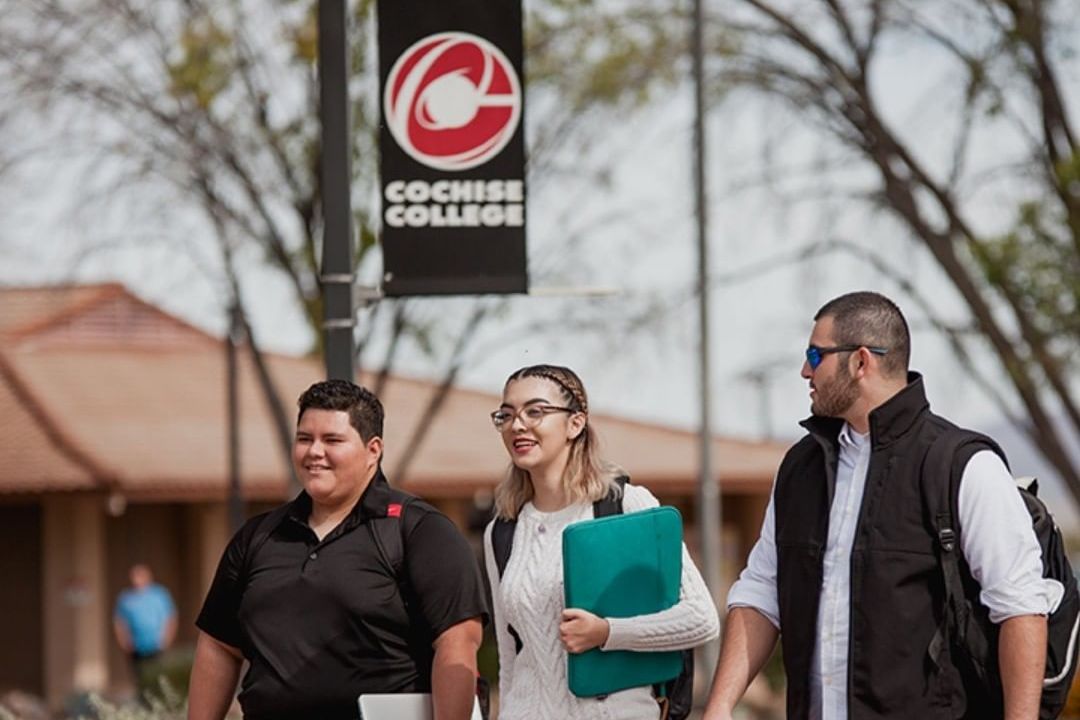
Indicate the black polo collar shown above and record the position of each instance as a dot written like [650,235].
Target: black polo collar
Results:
[376,501]
[377,498]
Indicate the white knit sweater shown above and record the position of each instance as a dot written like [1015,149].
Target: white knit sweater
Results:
[532,684]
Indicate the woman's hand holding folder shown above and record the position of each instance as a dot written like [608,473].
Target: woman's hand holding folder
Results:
[580,630]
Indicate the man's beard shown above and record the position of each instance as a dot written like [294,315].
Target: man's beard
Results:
[835,396]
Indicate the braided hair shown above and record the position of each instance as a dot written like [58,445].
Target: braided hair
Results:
[586,477]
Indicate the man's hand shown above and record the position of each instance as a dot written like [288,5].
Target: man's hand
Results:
[580,630]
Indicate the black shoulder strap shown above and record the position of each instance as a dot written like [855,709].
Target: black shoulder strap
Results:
[942,472]
[388,533]
[937,487]
[941,496]
[611,504]
[502,542]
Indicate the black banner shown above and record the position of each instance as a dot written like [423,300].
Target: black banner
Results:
[452,147]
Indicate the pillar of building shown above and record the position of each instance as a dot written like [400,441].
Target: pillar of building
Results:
[77,616]
[208,529]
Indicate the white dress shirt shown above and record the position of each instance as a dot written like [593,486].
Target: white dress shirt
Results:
[997,540]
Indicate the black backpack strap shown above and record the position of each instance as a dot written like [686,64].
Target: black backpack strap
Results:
[388,534]
[502,542]
[937,483]
[611,504]
[943,468]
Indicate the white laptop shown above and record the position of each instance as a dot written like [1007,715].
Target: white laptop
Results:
[402,706]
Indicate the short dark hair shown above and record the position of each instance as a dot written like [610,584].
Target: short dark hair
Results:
[364,409]
[871,319]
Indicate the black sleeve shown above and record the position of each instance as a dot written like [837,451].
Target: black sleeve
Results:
[220,614]
[443,572]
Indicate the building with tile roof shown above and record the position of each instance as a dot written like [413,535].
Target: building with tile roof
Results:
[113,450]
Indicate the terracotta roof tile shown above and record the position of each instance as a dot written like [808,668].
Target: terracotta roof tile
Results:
[31,456]
[156,421]
[23,307]
[105,315]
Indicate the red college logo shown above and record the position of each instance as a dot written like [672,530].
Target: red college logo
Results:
[452,101]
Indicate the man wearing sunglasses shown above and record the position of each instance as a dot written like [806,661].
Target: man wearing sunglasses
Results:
[845,572]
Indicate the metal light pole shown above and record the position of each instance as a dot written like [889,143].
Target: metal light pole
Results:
[709,507]
[232,394]
[337,260]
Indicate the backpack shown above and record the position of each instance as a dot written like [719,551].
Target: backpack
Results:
[966,624]
[675,696]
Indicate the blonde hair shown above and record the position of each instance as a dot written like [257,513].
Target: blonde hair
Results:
[586,477]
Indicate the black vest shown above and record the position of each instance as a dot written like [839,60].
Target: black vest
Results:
[896,587]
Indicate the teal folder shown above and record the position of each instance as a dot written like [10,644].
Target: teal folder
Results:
[622,566]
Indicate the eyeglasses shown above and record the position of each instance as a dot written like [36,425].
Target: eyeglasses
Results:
[815,354]
[531,415]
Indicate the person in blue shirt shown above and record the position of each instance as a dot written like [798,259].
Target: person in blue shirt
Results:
[144,623]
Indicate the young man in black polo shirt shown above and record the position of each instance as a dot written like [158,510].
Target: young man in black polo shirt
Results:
[305,595]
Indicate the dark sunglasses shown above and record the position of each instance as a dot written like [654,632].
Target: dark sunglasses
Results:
[815,354]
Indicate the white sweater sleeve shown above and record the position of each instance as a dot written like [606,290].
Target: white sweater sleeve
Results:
[503,640]
[690,622]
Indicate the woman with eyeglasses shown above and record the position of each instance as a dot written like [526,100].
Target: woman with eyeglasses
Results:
[555,477]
